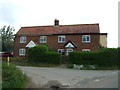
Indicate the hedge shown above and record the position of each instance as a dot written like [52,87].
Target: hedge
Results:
[102,57]
[41,54]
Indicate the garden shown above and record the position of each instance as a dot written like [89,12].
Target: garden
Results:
[105,58]
[42,56]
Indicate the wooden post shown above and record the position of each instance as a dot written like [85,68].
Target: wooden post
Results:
[8,60]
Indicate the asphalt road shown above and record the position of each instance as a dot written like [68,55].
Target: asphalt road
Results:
[47,77]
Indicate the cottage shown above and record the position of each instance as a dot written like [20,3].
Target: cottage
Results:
[61,38]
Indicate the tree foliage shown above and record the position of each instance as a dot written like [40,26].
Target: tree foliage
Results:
[7,38]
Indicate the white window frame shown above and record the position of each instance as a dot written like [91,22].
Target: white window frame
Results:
[85,36]
[85,49]
[44,40]
[23,39]
[62,50]
[22,52]
[61,41]
[68,50]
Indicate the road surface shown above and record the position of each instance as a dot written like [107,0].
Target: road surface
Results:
[62,77]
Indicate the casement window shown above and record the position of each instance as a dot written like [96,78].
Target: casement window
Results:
[22,52]
[69,50]
[43,39]
[23,39]
[61,39]
[86,38]
[85,49]
[62,51]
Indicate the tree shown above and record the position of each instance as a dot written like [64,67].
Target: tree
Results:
[7,38]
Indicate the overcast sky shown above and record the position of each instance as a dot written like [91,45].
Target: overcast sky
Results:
[19,13]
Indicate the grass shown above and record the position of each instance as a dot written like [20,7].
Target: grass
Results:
[13,77]
[107,68]
[34,64]
[0,75]
[97,68]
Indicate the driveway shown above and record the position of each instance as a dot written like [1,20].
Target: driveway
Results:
[62,77]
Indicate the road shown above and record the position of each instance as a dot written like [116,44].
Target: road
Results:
[62,77]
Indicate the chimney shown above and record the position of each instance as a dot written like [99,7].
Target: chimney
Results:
[56,22]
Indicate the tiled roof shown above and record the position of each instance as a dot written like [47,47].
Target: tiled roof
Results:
[61,29]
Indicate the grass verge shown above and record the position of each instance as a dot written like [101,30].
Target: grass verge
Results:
[34,64]
[13,77]
[86,67]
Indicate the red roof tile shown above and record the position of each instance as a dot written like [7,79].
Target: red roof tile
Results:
[62,29]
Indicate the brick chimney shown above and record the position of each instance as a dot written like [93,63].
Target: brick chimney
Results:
[56,22]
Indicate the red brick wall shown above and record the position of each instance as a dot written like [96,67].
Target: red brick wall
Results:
[52,42]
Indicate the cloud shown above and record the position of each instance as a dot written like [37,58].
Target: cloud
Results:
[7,12]
[43,12]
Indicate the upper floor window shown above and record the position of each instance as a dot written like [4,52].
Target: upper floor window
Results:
[22,52]
[23,39]
[43,39]
[61,39]
[86,38]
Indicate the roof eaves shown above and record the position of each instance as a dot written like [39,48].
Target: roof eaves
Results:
[32,34]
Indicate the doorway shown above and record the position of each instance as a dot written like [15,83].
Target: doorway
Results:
[69,50]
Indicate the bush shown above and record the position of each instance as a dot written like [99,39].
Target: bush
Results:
[102,57]
[12,77]
[42,54]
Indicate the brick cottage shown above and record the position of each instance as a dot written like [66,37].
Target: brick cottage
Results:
[60,38]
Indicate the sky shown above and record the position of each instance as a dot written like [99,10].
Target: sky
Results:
[20,13]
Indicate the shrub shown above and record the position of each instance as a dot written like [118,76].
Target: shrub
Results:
[12,77]
[102,57]
[42,54]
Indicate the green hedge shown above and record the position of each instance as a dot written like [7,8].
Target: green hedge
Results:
[102,57]
[41,54]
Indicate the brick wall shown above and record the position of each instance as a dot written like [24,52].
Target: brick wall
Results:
[52,42]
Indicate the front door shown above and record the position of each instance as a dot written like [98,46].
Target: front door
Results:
[69,50]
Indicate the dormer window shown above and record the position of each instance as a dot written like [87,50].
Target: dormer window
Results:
[61,39]
[43,39]
[23,39]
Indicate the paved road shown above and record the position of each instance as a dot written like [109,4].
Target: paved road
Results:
[44,77]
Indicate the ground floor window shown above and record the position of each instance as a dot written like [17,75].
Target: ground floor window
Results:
[62,51]
[69,50]
[85,49]
[22,52]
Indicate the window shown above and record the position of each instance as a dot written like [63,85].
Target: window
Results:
[61,39]
[85,49]
[69,50]
[43,39]
[22,52]
[62,51]
[86,38]
[23,39]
